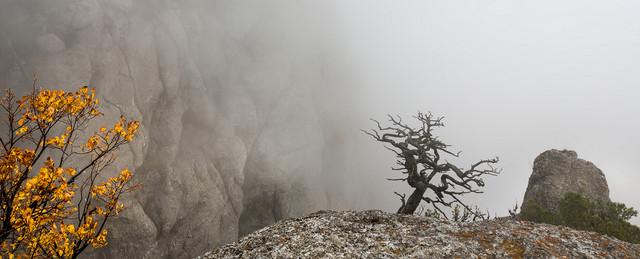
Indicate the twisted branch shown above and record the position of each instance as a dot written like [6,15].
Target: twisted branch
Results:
[419,154]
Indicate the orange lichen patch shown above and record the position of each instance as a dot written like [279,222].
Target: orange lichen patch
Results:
[486,241]
[604,243]
[465,234]
[624,250]
[483,238]
[513,248]
[550,244]
[394,250]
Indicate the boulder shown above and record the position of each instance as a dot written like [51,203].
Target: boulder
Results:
[557,172]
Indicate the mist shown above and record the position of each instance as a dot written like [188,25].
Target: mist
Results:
[251,111]
[512,78]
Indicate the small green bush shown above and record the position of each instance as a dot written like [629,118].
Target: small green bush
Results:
[577,211]
[536,213]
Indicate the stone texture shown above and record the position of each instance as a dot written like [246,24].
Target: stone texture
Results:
[231,96]
[49,43]
[376,234]
[557,172]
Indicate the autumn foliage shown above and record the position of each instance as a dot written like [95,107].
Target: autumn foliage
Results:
[55,200]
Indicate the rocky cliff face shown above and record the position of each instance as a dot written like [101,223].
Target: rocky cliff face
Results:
[557,172]
[376,234]
[233,102]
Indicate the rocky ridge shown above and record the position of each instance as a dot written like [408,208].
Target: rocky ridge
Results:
[377,234]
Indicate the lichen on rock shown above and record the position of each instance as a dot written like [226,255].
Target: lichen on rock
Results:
[377,234]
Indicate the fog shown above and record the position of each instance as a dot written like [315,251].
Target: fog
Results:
[251,111]
[512,78]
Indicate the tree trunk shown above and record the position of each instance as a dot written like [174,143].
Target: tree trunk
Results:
[412,203]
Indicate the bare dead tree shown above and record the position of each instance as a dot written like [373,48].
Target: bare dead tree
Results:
[421,158]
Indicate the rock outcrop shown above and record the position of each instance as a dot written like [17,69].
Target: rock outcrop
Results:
[557,172]
[376,234]
[235,101]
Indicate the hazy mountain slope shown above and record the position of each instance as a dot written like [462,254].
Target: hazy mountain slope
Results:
[232,99]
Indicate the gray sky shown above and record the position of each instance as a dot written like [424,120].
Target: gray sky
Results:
[513,78]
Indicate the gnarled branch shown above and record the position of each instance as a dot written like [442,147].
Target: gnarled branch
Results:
[420,154]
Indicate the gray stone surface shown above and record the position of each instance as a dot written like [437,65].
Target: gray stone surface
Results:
[233,101]
[556,172]
[377,234]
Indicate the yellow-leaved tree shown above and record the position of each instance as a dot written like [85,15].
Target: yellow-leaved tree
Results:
[55,202]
